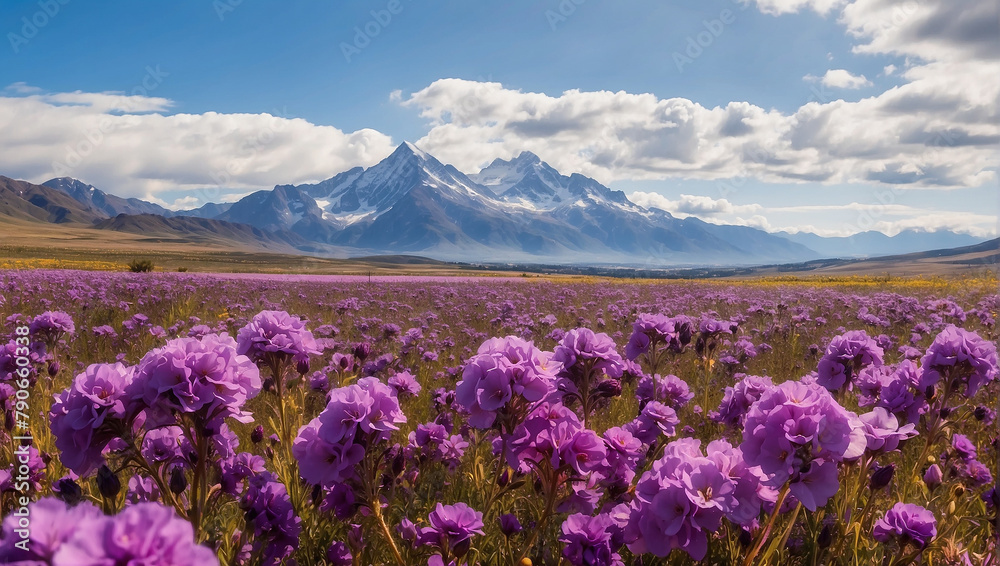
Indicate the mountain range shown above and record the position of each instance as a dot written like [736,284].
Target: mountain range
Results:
[410,203]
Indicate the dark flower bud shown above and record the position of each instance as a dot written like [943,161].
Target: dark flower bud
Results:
[398,464]
[504,478]
[945,411]
[257,435]
[269,452]
[745,538]
[684,334]
[462,548]
[54,368]
[609,388]
[882,476]
[317,494]
[267,385]
[69,491]
[302,365]
[354,538]
[362,350]
[929,393]
[825,537]
[178,481]
[509,525]
[980,413]
[108,483]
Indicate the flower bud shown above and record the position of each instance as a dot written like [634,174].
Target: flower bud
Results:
[178,481]
[302,365]
[362,350]
[825,537]
[933,476]
[69,491]
[509,525]
[609,388]
[54,368]
[107,482]
[958,491]
[462,548]
[951,507]
[882,476]
[745,538]
[980,413]
[504,478]
[257,435]
[524,562]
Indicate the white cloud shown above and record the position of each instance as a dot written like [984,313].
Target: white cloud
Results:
[889,70]
[778,7]
[841,78]
[127,145]
[691,205]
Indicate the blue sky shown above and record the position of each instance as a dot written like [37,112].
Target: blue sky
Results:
[218,68]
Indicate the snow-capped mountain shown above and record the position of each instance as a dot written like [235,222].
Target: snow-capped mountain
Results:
[110,205]
[528,181]
[512,210]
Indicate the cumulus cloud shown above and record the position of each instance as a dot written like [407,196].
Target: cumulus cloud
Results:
[690,205]
[840,78]
[938,129]
[131,146]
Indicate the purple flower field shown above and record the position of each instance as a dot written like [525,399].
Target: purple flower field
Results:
[180,419]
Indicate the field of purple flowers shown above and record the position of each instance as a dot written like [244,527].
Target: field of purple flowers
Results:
[183,419]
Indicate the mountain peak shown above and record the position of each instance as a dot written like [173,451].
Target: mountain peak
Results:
[526,157]
[407,149]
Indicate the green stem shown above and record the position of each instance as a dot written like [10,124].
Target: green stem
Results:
[759,543]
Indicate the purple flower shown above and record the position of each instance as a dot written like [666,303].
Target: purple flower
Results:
[553,434]
[268,510]
[964,447]
[51,325]
[332,444]
[337,554]
[883,431]
[277,334]
[52,524]
[582,350]
[650,330]
[588,541]
[145,533]
[188,375]
[958,354]
[669,389]
[682,498]
[405,383]
[504,370]
[793,431]
[654,419]
[89,414]
[451,526]
[736,400]
[845,357]
[906,523]
[509,525]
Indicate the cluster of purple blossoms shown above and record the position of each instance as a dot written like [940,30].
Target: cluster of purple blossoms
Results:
[583,351]
[678,502]
[883,431]
[797,433]
[205,378]
[432,442]
[277,335]
[51,325]
[89,414]
[268,510]
[655,419]
[668,389]
[552,434]
[623,453]
[650,331]
[959,357]
[589,541]
[906,523]
[894,388]
[356,416]
[737,400]
[504,369]
[450,532]
[145,533]
[845,357]
[405,384]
